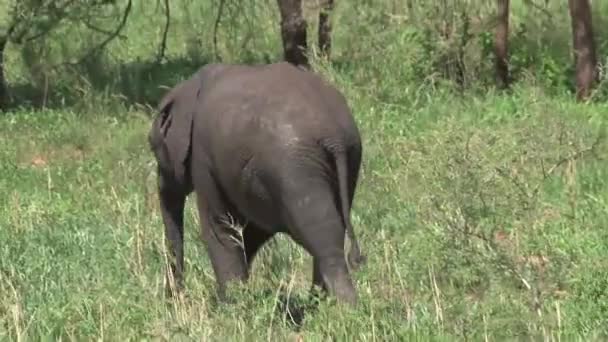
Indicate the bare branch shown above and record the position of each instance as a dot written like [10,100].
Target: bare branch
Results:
[111,37]
[537,7]
[573,156]
[99,29]
[58,14]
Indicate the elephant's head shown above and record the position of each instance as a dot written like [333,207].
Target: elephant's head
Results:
[171,132]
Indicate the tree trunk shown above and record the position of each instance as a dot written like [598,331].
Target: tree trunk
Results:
[293,32]
[325,28]
[3,85]
[584,47]
[501,44]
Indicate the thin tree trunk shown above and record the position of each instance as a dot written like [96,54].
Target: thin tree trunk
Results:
[293,32]
[465,37]
[325,28]
[584,47]
[501,44]
[3,85]
[163,42]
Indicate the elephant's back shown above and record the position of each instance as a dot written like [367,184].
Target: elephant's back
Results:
[277,99]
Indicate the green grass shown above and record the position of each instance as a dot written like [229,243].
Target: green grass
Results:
[483,215]
[82,238]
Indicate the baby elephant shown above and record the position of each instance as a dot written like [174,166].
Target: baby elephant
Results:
[274,147]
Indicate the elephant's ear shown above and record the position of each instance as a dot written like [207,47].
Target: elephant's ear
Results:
[174,126]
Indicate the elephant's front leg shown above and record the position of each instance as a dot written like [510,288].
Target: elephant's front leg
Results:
[172,200]
[224,246]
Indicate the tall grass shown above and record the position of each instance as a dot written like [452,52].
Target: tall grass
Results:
[483,214]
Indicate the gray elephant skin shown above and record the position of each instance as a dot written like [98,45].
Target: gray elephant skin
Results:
[274,147]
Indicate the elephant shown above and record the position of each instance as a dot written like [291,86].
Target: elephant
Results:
[274,147]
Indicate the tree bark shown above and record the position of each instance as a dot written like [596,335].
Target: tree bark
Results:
[584,47]
[3,85]
[293,32]
[501,44]
[325,28]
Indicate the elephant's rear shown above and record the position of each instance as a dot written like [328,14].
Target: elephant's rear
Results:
[316,162]
[292,136]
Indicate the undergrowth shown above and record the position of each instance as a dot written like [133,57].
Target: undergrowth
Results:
[483,214]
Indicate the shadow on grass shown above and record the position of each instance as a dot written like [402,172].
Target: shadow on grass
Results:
[139,82]
[292,310]
[287,307]
[94,83]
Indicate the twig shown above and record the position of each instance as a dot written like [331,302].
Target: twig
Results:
[506,263]
[436,296]
[535,6]
[573,156]
[521,187]
[99,29]
[60,14]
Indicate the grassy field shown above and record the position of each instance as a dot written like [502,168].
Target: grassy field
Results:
[483,214]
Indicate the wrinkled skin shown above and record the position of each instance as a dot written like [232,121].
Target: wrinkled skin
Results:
[274,147]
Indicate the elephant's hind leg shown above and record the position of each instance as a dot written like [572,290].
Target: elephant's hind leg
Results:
[315,222]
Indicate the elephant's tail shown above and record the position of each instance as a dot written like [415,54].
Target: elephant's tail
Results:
[355,258]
